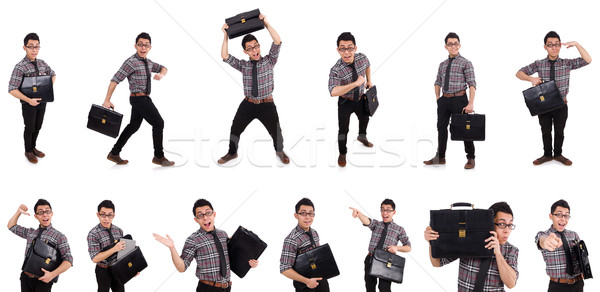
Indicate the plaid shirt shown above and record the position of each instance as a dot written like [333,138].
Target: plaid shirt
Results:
[296,241]
[395,233]
[26,68]
[462,75]
[556,261]
[341,74]
[50,236]
[264,72]
[133,69]
[469,267]
[201,246]
[562,71]
[98,239]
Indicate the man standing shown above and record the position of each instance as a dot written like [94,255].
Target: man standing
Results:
[385,235]
[208,246]
[556,245]
[137,70]
[33,109]
[559,70]
[47,234]
[455,75]
[347,80]
[257,75]
[502,266]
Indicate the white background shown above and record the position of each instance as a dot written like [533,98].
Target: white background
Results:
[85,43]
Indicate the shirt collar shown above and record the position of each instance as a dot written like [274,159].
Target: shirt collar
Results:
[299,229]
[47,228]
[138,57]
[455,57]
[26,60]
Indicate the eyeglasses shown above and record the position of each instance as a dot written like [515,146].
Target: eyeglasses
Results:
[147,46]
[560,216]
[387,210]
[109,216]
[348,49]
[250,49]
[40,213]
[504,225]
[553,45]
[453,44]
[207,214]
[33,47]
[304,214]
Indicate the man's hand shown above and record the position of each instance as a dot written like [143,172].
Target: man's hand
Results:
[430,234]
[47,277]
[360,81]
[108,104]
[158,76]
[468,109]
[369,84]
[119,246]
[253,263]
[225,28]
[535,81]
[312,282]
[34,101]
[552,242]
[355,212]
[393,249]
[168,242]
[23,210]
[264,19]
[493,243]
[570,44]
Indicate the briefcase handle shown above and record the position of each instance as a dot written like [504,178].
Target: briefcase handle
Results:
[462,204]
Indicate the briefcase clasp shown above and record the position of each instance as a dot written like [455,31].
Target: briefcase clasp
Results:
[468,127]
[313,266]
[103,119]
[35,89]
[243,20]
[129,264]
[542,98]
[462,230]
[389,264]
[47,261]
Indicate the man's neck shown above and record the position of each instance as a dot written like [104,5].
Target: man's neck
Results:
[552,58]
[32,60]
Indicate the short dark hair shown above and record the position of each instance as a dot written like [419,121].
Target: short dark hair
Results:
[346,36]
[501,207]
[389,202]
[305,202]
[143,35]
[41,202]
[451,35]
[201,203]
[559,203]
[30,36]
[108,204]
[551,34]
[248,38]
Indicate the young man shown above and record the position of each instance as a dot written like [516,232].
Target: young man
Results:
[33,110]
[302,238]
[503,265]
[46,233]
[208,246]
[455,75]
[99,239]
[556,245]
[257,75]
[347,80]
[554,68]
[385,235]
[137,69]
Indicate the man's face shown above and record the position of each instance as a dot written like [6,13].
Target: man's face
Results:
[305,216]
[252,49]
[346,50]
[32,49]
[387,212]
[205,216]
[552,46]
[560,218]
[452,45]
[106,216]
[504,219]
[43,214]
[143,47]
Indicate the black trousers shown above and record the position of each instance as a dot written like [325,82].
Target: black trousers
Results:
[322,287]
[558,118]
[207,288]
[33,117]
[557,287]
[345,109]
[371,282]
[266,113]
[34,285]
[445,108]
[107,282]
[142,108]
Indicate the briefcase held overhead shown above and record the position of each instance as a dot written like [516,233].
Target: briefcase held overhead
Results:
[387,266]
[317,263]
[243,246]
[467,127]
[39,86]
[543,98]
[581,251]
[104,121]
[372,100]
[244,23]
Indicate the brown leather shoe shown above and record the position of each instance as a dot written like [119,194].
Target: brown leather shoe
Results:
[226,158]
[563,160]
[163,161]
[284,158]
[116,159]
[435,161]
[470,163]
[342,160]
[31,157]
[542,159]
[364,141]
[38,153]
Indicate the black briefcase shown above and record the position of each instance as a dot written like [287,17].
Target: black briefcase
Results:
[372,100]
[462,233]
[38,87]
[243,246]
[317,262]
[127,267]
[583,257]
[543,98]
[244,23]
[388,266]
[42,255]
[467,127]
[105,121]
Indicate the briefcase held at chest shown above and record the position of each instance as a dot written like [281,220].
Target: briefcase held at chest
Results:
[243,246]
[244,23]
[581,251]
[38,87]
[462,233]
[42,255]
[317,262]
[127,267]
[543,98]
[105,121]
[467,127]
[388,266]
[372,100]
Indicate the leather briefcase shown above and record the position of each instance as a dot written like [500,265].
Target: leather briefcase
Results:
[243,246]
[388,266]
[42,255]
[467,127]
[543,98]
[584,262]
[462,233]
[38,87]
[244,23]
[105,121]
[317,262]
[128,266]
[372,100]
